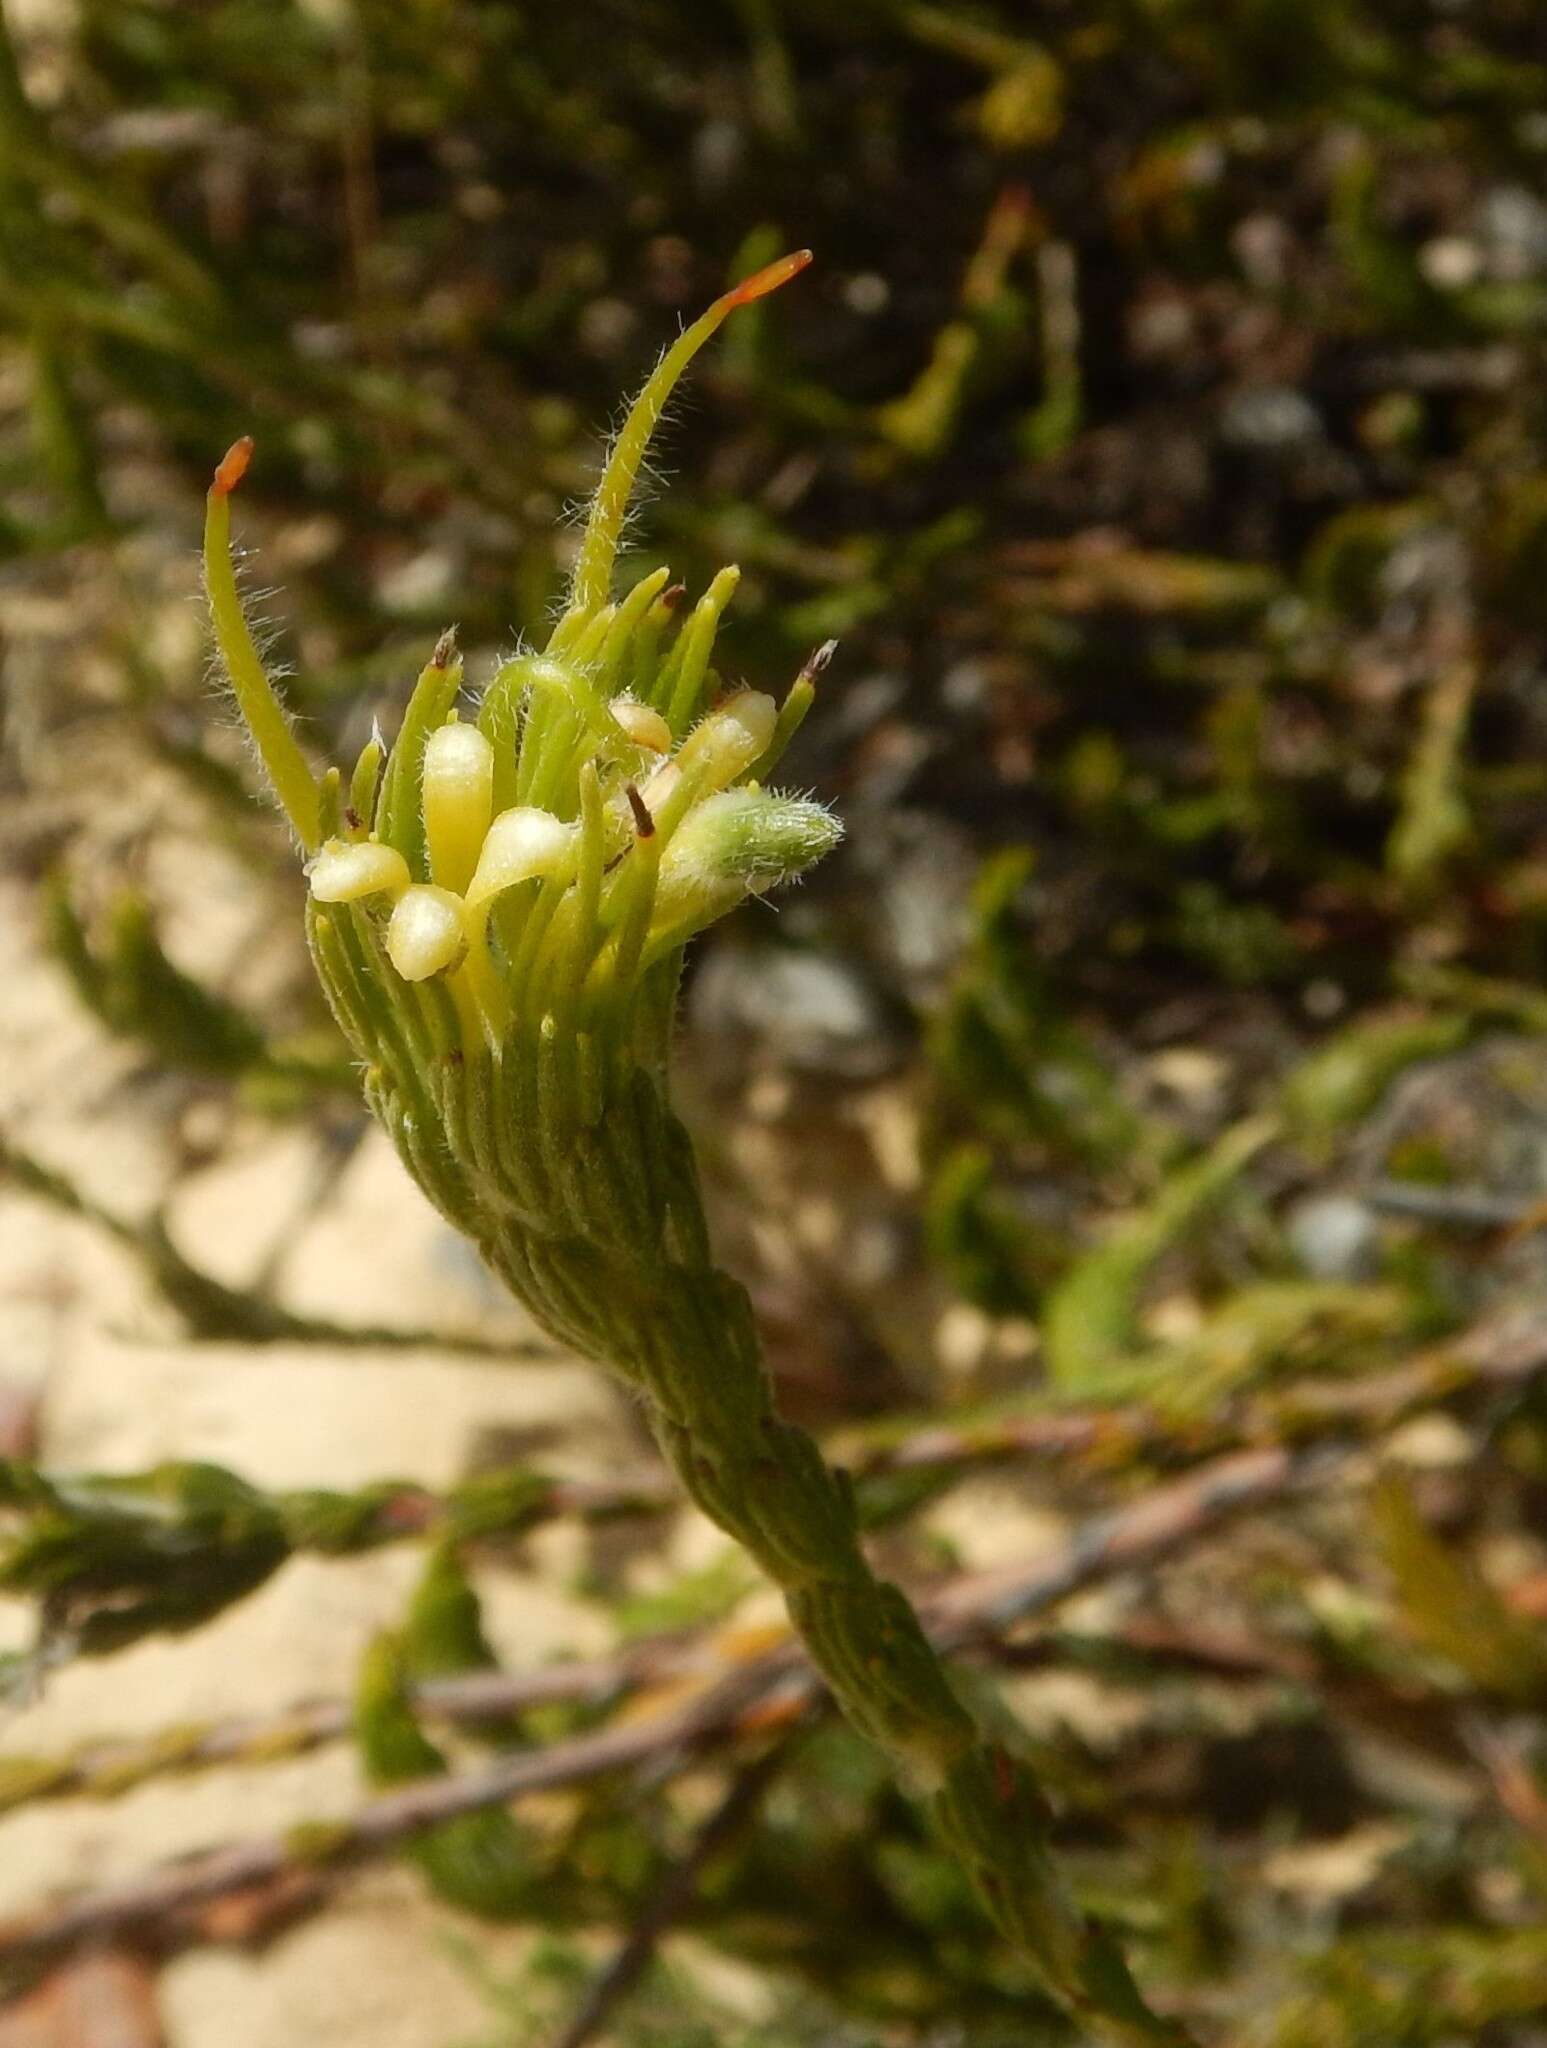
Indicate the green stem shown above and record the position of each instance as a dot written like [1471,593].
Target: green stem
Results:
[622,1271]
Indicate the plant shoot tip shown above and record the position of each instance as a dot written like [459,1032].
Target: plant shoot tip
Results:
[232,467]
[767,280]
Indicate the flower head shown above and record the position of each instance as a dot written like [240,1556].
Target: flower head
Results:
[535,856]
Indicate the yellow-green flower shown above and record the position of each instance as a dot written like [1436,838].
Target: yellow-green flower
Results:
[542,853]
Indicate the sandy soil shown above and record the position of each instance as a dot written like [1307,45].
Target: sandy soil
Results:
[119,1389]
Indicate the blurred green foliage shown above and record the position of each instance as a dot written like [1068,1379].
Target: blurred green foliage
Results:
[481,1862]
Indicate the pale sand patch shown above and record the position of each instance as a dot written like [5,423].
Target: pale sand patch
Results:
[378,1969]
[122,1389]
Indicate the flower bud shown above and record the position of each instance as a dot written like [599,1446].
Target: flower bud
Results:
[458,801]
[426,934]
[522,843]
[739,841]
[643,725]
[343,872]
[727,742]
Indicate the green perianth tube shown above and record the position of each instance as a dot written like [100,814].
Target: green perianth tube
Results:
[280,750]
[609,508]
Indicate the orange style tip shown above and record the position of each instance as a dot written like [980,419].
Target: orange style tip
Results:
[766,280]
[232,467]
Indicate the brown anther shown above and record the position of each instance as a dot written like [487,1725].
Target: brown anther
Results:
[232,467]
[819,660]
[445,649]
[672,595]
[644,824]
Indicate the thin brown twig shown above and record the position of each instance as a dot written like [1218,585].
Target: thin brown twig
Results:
[107,1769]
[672,1898]
[1495,1355]
[768,1692]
